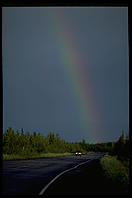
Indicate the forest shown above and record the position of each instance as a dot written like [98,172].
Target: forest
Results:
[26,143]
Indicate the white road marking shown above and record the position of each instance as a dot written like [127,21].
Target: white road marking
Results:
[45,188]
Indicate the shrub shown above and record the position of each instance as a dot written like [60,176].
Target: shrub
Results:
[115,170]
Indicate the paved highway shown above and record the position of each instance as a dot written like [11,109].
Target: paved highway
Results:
[36,176]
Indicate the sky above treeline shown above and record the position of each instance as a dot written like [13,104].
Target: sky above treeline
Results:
[65,70]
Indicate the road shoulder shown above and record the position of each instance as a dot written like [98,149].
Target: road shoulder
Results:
[87,179]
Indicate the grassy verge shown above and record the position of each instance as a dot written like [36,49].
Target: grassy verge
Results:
[32,156]
[115,170]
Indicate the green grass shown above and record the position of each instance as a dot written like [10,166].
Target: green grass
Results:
[115,170]
[40,155]
[31,156]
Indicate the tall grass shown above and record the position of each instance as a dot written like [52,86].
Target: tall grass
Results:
[115,170]
[31,156]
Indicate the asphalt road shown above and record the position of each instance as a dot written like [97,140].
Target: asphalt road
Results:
[30,177]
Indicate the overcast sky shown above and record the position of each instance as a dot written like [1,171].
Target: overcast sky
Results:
[66,70]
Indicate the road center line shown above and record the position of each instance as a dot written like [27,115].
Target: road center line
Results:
[45,188]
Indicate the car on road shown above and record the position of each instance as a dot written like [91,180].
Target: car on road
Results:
[78,153]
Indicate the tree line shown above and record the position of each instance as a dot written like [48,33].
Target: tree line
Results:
[25,143]
[122,148]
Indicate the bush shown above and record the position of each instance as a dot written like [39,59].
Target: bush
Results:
[115,170]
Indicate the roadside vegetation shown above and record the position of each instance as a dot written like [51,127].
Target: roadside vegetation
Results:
[115,169]
[115,164]
[33,156]
[26,145]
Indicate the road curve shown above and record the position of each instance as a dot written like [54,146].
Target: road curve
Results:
[33,177]
[62,173]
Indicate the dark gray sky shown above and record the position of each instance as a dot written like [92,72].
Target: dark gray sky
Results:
[66,70]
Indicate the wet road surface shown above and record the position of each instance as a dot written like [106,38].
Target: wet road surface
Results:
[29,177]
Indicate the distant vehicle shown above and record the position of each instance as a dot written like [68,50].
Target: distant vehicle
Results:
[78,153]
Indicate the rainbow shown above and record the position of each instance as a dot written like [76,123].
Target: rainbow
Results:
[72,60]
